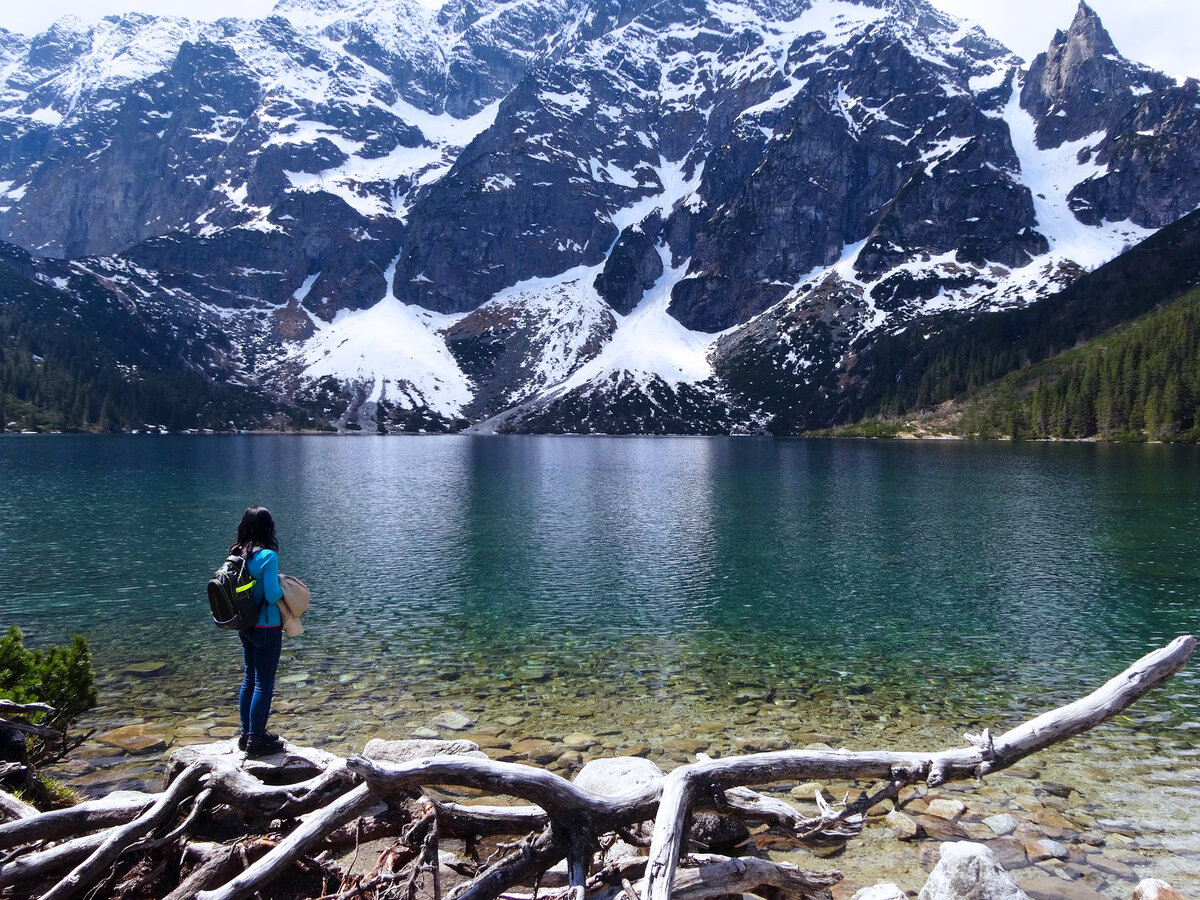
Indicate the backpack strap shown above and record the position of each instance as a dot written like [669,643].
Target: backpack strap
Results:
[248,553]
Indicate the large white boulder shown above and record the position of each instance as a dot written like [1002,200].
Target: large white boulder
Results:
[969,871]
[380,750]
[613,776]
[1155,889]
[880,892]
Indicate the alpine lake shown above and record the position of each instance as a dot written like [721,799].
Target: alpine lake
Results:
[556,599]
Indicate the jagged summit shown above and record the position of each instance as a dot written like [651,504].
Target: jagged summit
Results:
[1087,35]
[1082,83]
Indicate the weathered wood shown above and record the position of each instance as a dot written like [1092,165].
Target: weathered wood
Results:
[678,789]
[579,855]
[45,864]
[14,809]
[115,809]
[238,788]
[44,731]
[749,875]
[220,863]
[294,845]
[569,817]
[118,839]
[458,819]
[293,766]
[532,857]
[1113,697]
[905,768]
[10,708]
[557,796]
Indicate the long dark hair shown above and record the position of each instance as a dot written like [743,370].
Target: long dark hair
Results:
[257,529]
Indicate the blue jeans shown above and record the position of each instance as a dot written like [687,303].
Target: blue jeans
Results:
[260,652]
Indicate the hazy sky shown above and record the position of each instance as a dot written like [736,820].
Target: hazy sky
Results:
[1161,33]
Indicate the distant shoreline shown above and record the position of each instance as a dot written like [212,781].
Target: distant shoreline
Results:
[908,437]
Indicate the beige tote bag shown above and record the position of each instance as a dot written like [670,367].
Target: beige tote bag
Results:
[296,597]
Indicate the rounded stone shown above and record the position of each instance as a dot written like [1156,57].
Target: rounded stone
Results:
[966,869]
[946,809]
[577,740]
[452,720]
[137,738]
[149,669]
[685,746]
[1044,849]
[880,892]
[613,776]
[540,751]
[1155,889]
[1050,887]
[903,826]
[1110,866]
[1002,823]
[1009,853]
[808,791]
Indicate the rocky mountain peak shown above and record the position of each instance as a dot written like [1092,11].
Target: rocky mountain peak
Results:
[1086,38]
[1081,84]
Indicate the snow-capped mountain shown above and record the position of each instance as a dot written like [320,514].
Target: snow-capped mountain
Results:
[580,215]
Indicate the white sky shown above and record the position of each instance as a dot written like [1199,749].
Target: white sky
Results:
[1160,33]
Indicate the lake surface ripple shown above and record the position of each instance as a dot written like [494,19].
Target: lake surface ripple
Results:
[652,594]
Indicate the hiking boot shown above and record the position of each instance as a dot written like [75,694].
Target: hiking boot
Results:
[241,740]
[263,745]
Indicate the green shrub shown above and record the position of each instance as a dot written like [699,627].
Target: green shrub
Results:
[59,676]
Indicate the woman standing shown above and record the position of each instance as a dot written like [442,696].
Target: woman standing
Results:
[261,645]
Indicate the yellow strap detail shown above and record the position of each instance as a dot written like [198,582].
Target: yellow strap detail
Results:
[246,587]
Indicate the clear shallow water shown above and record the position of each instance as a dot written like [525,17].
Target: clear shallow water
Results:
[871,594]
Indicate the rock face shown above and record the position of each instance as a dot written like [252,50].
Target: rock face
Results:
[1135,122]
[576,215]
[1081,85]
[969,871]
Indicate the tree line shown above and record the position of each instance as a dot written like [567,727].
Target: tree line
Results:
[61,368]
[1113,355]
[1140,382]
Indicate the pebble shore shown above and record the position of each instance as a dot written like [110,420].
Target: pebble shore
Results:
[1086,819]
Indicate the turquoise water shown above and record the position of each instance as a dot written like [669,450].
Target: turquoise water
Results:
[865,593]
[1057,563]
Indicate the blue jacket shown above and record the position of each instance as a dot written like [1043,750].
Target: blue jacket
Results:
[264,566]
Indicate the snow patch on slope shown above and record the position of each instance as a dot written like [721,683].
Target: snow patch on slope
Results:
[396,349]
[444,128]
[1050,175]
[650,343]
[568,313]
[675,187]
[124,49]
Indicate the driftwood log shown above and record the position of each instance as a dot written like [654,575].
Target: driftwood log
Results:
[332,803]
